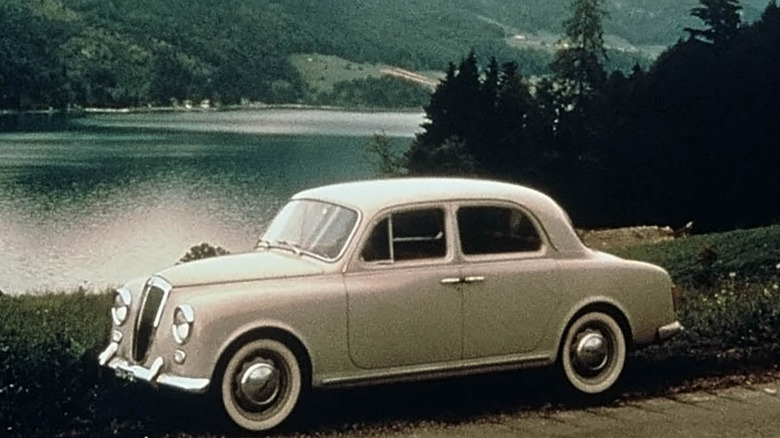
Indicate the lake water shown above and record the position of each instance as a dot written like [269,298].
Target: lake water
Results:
[98,200]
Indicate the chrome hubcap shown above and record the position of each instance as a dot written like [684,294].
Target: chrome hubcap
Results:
[258,383]
[591,351]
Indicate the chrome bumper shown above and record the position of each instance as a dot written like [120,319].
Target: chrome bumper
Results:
[667,331]
[152,374]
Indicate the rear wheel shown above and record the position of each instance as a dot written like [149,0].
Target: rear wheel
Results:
[261,384]
[593,353]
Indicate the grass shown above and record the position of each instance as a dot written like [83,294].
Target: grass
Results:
[47,348]
[51,385]
[753,253]
[322,72]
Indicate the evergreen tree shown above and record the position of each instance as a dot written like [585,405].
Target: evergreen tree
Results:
[771,13]
[515,156]
[483,143]
[722,18]
[452,132]
[579,59]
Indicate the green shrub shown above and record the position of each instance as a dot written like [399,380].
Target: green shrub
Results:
[203,251]
[741,315]
[48,346]
[752,253]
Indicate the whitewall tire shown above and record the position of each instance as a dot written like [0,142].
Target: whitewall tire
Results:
[261,385]
[593,353]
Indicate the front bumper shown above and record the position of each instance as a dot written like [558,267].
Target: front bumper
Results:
[667,331]
[153,374]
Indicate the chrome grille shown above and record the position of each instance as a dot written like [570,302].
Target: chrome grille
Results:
[152,304]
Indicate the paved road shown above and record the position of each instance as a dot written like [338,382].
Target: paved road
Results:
[740,411]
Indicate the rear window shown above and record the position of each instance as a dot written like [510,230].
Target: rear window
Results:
[496,230]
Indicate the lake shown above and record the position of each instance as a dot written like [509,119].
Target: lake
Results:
[97,200]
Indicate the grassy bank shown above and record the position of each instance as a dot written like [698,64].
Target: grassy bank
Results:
[691,261]
[730,284]
[47,344]
[50,384]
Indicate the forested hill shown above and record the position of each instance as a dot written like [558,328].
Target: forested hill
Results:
[136,52]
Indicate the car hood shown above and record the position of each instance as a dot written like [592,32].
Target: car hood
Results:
[241,267]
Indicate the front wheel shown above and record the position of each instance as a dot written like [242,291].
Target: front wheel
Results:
[593,353]
[261,384]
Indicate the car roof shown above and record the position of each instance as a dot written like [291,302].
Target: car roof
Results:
[372,196]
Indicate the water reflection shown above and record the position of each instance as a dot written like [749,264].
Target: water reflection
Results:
[98,202]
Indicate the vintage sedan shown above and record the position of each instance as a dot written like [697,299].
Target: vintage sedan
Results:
[387,280]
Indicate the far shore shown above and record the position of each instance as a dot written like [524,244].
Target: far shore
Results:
[201,107]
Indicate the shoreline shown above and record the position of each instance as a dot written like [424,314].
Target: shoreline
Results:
[78,111]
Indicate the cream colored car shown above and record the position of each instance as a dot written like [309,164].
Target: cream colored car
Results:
[380,281]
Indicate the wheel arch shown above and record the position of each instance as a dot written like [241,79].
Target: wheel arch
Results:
[603,306]
[286,337]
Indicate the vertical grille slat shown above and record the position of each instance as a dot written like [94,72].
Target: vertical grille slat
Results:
[152,303]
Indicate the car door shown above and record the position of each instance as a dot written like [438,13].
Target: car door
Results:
[404,304]
[509,279]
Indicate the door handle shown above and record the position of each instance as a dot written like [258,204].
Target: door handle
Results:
[474,279]
[451,280]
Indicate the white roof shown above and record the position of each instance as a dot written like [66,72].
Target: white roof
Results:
[373,195]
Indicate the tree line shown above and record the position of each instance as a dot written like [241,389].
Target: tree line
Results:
[121,53]
[693,137]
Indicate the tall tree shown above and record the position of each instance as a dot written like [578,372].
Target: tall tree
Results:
[579,59]
[722,18]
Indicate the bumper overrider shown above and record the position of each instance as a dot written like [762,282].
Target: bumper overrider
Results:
[669,330]
[154,374]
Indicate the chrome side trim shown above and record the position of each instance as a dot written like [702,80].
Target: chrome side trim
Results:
[435,372]
[667,331]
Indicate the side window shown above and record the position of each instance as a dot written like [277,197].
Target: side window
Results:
[496,230]
[409,235]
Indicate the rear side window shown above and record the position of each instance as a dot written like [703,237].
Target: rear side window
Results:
[408,235]
[496,230]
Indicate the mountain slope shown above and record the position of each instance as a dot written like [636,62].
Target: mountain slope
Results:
[125,52]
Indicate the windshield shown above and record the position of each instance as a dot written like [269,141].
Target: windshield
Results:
[313,227]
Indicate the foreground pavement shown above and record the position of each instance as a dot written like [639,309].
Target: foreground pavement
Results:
[739,411]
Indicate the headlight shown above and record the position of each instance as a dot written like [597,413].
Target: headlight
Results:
[183,318]
[121,307]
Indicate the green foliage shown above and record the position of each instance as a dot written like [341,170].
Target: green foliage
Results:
[203,251]
[628,148]
[738,320]
[476,122]
[384,92]
[48,373]
[578,62]
[119,53]
[722,18]
[735,314]
[753,254]
[450,158]
[385,158]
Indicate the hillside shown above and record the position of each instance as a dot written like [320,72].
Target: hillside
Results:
[130,52]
